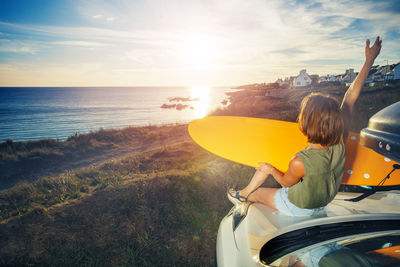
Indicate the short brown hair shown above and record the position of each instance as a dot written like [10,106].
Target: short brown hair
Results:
[321,120]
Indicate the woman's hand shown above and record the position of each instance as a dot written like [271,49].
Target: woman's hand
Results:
[372,52]
[265,168]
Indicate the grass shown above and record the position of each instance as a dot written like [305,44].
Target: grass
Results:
[161,208]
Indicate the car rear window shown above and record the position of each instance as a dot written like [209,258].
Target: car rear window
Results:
[290,242]
[384,250]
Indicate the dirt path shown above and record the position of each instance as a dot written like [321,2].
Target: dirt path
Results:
[123,150]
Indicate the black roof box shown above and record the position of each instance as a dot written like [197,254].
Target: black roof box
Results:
[383,132]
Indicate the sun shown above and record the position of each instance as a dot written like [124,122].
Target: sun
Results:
[199,50]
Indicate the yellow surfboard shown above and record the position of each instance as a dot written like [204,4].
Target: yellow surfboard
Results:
[250,141]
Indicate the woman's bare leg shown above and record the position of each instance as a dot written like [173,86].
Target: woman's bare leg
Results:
[264,195]
[255,182]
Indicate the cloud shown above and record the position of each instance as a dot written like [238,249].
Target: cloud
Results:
[6,67]
[78,43]
[14,46]
[255,40]
[289,51]
[95,34]
[326,30]
[101,16]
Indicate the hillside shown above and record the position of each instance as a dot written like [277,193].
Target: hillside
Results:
[284,104]
[161,207]
[144,196]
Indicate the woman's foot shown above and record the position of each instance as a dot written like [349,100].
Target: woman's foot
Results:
[235,197]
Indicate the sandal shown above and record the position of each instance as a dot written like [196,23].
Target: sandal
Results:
[235,197]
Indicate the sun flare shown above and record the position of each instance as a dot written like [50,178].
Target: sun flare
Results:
[199,51]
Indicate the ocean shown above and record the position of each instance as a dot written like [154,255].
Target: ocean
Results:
[32,113]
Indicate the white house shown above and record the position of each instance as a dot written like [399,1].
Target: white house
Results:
[333,78]
[327,78]
[396,74]
[383,73]
[349,76]
[302,79]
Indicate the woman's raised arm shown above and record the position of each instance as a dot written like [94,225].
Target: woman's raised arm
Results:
[353,92]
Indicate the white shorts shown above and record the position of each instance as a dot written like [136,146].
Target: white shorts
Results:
[286,207]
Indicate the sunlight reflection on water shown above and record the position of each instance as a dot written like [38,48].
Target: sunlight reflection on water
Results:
[201,107]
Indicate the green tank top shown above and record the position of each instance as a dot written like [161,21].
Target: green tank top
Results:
[323,175]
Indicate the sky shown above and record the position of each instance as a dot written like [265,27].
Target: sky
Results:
[187,43]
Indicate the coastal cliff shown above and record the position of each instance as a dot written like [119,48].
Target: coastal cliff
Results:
[143,196]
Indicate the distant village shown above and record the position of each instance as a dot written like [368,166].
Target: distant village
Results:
[378,74]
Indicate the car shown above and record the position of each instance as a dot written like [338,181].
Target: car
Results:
[362,227]
[260,236]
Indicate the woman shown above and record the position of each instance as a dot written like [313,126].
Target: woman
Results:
[315,173]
